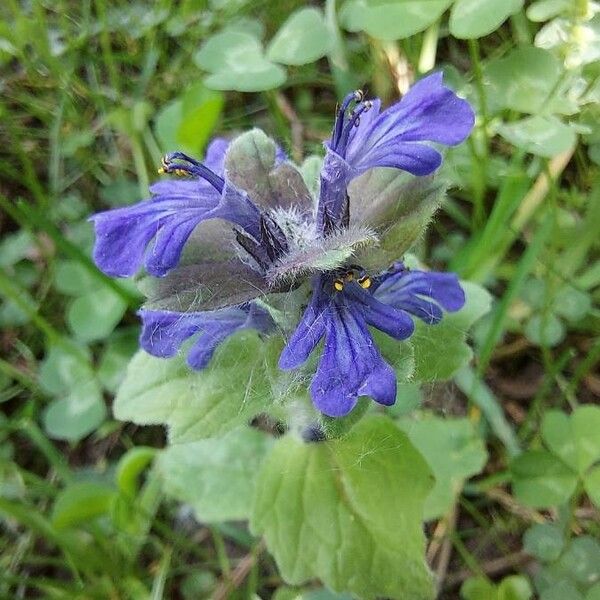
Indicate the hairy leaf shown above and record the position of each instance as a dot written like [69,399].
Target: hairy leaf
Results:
[324,511]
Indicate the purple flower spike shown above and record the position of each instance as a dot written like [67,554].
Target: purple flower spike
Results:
[164,332]
[342,308]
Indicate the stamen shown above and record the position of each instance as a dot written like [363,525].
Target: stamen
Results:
[193,168]
[356,96]
[354,121]
[338,284]
[365,282]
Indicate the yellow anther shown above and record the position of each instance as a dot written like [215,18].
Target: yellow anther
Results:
[338,284]
[162,171]
[349,276]
[181,173]
[365,282]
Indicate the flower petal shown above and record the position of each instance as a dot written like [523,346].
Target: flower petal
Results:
[396,323]
[350,366]
[414,291]
[308,333]
[417,159]
[123,234]
[164,332]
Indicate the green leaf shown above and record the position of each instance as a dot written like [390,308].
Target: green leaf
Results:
[237,62]
[544,541]
[197,404]
[217,51]
[563,590]
[592,485]
[581,561]
[79,406]
[524,80]
[117,353]
[478,588]
[541,135]
[392,20]
[76,415]
[325,514]
[441,350]
[94,315]
[217,477]
[540,480]
[130,466]
[453,451]
[572,303]
[302,39]
[545,330]
[475,18]
[188,122]
[73,279]
[574,438]
[515,587]
[593,593]
[80,502]
[63,369]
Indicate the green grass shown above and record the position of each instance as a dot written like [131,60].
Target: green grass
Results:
[83,86]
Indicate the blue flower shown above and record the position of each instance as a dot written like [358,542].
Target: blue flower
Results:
[342,307]
[243,225]
[124,235]
[364,138]
[164,332]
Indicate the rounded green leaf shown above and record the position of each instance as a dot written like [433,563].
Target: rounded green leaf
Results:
[475,18]
[252,73]
[563,590]
[217,476]
[392,20]
[574,438]
[581,561]
[453,451]
[592,485]
[545,330]
[94,315]
[73,279]
[478,588]
[523,80]
[77,415]
[544,541]
[541,480]
[222,49]
[571,303]
[63,369]
[302,39]
[325,514]
[236,62]
[541,135]
[515,587]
